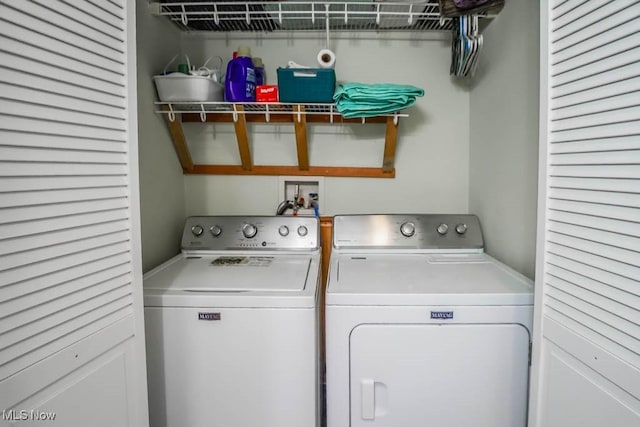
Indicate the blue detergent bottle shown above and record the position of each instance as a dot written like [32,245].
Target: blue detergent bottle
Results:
[240,81]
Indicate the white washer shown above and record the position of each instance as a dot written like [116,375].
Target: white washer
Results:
[232,325]
[422,327]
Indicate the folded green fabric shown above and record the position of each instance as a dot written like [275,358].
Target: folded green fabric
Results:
[355,90]
[368,100]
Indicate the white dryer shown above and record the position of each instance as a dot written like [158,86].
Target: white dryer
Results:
[232,325]
[422,327]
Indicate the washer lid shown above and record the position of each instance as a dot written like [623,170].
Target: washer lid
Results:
[231,274]
[234,280]
[416,279]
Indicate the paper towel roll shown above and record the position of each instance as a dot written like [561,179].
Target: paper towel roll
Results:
[326,58]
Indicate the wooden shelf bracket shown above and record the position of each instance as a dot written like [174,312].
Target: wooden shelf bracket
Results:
[174,123]
[300,125]
[240,125]
[297,114]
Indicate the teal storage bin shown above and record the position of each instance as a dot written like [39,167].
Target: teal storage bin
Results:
[306,84]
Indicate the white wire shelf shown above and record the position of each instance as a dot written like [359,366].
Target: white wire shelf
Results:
[273,16]
[266,109]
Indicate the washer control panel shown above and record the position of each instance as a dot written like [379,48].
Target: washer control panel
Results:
[421,232]
[251,233]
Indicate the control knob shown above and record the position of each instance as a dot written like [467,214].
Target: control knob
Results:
[302,231]
[249,230]
[408,229]
[442,229]
[216,231]
[197,230]
[283,230]
[461,228]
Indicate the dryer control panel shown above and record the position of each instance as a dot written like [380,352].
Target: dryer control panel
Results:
[429,232]
[215,233]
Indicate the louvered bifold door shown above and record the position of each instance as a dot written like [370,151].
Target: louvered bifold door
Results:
[69,267]
[588,275]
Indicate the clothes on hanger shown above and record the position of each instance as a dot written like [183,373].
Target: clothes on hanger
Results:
[466,45]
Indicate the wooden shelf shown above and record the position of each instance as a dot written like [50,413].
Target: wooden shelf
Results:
[297,114]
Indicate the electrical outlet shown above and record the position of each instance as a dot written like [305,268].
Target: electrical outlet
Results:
[310,190]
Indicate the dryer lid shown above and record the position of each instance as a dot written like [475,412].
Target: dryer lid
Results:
[411,279]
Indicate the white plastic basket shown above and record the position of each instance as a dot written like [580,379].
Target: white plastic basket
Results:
[179,87]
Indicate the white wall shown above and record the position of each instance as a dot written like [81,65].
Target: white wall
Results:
[161,179]
[466,147]
[433,147]
[504,135]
